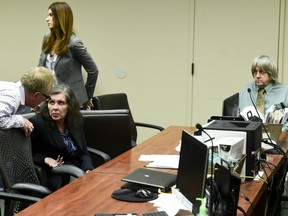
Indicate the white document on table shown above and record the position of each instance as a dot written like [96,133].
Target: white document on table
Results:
[161,161]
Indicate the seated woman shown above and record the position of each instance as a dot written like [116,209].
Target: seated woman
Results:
[58,136]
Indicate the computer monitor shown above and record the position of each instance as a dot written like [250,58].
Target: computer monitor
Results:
[192,169]
[228,187]
[231,105]
[253,138]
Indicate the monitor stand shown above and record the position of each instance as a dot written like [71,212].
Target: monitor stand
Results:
[180,198]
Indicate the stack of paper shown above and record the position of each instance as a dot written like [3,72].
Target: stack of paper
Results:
[161,161]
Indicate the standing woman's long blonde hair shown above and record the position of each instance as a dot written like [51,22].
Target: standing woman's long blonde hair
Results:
[58,40]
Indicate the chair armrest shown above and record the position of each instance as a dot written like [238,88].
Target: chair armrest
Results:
[67,169]
[18,197]
[141,124]
[104,156]
[31,187]
[41,173]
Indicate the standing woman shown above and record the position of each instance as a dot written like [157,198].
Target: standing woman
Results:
[64,53]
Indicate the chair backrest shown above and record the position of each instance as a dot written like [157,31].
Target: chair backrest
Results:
[231,105]
[16,162]
[116,101]
[16,165]
[107,130]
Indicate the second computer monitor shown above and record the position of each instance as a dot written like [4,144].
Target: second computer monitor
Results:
[192,170]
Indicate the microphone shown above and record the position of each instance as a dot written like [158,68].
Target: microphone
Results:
[258,115]
[263,126]
[201,129]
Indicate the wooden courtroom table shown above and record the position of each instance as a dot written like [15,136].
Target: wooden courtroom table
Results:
[91,193]
[256,191]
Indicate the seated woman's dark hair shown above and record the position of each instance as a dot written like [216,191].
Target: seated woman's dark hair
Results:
[73,116]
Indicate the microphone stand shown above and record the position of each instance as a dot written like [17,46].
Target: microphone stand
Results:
[200,128]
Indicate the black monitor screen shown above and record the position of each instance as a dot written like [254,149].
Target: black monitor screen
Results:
[192,170]
[231,106]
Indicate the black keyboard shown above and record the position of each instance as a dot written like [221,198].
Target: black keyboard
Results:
[160,213]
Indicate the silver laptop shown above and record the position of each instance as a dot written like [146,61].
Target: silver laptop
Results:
[152,178]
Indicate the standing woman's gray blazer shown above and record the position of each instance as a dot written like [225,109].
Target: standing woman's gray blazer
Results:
[68,69]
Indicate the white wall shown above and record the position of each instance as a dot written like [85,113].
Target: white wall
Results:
[229,34]
[22,28]
[149,40]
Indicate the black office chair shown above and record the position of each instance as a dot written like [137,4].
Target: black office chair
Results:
[231,105]
[120,101]
[21,185]
[108,131]
[20,182]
